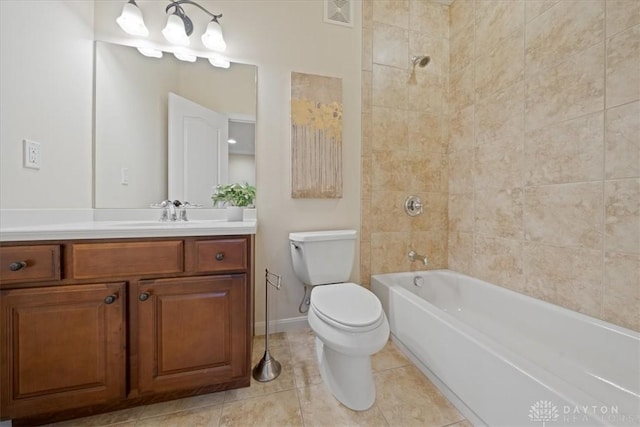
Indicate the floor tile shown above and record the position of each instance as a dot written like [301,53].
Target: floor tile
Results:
[278,339]
[207,416]
[284,382]
[303,352]
[304,337]
[277,409]
[406,398]
[115,417]
[389,357]
[320,409]
[306,373]
[182,404]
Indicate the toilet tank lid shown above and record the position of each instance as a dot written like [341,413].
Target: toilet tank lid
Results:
[316,236]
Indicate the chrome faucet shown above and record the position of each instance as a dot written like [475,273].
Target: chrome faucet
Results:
[169,210]
[414,256]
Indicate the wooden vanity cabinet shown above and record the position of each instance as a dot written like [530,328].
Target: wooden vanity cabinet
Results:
[106,324]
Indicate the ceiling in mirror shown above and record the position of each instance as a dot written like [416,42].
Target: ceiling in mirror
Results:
[131,127]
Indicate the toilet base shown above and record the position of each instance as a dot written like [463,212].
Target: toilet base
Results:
[349,378]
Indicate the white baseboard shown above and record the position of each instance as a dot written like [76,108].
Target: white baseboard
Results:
[282,325]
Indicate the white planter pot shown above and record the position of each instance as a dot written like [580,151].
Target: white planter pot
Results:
[234,213]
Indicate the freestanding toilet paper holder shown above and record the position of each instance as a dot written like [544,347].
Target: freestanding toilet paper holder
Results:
[268,368]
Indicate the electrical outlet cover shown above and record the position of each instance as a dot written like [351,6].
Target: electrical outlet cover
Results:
[32,154]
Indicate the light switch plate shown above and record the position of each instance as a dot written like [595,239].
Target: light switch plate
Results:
[32,154]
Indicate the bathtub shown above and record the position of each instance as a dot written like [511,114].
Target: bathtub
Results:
[505,359]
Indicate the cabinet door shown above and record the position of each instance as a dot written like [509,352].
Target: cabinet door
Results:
[192,332]
[62,348]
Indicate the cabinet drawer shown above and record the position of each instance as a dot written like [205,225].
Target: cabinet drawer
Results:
[29,263]
[95,260]
[220,255]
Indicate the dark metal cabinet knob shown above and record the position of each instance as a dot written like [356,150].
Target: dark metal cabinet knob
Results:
[111,299]
[18,265]
[220,256]
[144,296]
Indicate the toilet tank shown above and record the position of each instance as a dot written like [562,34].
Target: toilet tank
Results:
[323,257]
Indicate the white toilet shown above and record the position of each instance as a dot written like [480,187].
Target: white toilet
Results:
[347,319]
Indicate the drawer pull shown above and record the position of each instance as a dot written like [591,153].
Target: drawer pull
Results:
[220,256]
[111,299]
[18,265]
[144,296]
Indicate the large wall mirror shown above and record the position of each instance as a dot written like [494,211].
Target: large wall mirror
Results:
[163,127]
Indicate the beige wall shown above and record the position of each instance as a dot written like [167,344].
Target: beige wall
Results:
[544,178]
[405,124]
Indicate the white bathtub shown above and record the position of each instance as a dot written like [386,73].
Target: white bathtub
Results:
[506,359]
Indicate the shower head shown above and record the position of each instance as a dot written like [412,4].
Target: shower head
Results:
[420,61]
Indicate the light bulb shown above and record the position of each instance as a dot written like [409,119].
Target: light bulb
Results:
[175,32]
[183,56]
[219,61]
[150,52]
[131,22]
[212,37]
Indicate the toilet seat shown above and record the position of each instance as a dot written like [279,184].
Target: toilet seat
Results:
[347,306]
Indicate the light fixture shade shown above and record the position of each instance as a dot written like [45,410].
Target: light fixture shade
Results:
[175,32]
[150,52]
[131,22]
[219,61]
[183,56]
[212,37]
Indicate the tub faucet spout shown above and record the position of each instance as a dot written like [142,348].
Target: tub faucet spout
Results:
[414,256]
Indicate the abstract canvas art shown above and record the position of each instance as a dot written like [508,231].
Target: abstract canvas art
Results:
[316,136]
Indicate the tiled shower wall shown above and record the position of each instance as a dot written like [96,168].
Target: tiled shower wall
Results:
[544,154]
[405,125]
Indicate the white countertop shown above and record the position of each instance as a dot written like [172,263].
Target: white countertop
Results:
[87,227]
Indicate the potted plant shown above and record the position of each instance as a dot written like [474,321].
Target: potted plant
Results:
[235,197]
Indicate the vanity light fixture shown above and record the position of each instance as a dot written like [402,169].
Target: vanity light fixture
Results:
[183,56]
[150,52]
[130,20]
[219,61]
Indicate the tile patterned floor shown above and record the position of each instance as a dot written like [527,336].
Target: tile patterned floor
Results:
[299,398]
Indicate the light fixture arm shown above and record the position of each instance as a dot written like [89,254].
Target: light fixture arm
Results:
[179,11]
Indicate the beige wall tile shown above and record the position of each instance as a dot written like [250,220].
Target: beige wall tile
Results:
[462,46]
[496,21]
[567,28]
[429,18]
[564,214]
[622,222]
[500,116]
[460,252]
[498,261]
[390,45]
[365,267]
[570,151]
[623,63]
[366,219]
[428,93]
[500,67]
[426,132]
[462,88]
[367,48]
[390,170]
[461,212]
[622,290]
[367,91]
[367,13]
[622,141]
[434,218]
[392,12]
[389,87]
[387,211]
[390,130]
[535,8]
[498,164]
[462,135]
[569,277]
[570,89]
[462,16]
[367,177]
[367,137]
[461,172]
[622,14]
[498,213]
[432,244]
[436,48]
[429,173]
[389,252]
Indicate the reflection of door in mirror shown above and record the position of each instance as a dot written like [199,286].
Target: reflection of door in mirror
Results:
[198,153]
[131,121]
[242,149]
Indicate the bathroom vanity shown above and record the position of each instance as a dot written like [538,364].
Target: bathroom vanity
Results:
[92,325]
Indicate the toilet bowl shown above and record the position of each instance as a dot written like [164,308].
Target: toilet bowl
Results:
[347,319]
[347,334]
